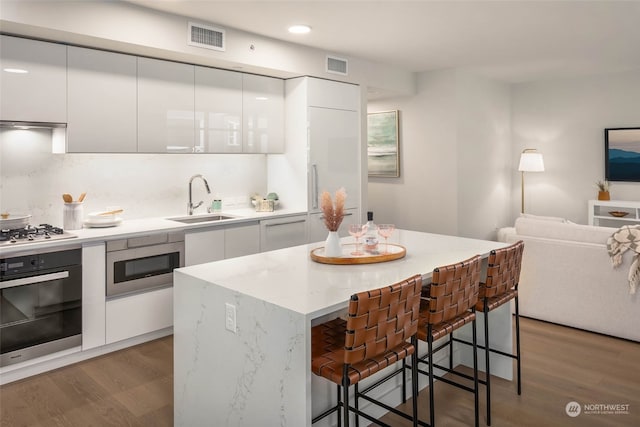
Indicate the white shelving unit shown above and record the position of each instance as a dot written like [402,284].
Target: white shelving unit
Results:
[599,212]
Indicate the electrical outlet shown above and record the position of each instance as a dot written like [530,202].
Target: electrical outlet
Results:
[230,317]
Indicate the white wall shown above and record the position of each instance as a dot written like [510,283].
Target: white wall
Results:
[132,29]
[32,179]
[454,157]
[565,120]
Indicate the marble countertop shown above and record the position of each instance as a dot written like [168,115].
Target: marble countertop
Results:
[290,279]
[134,227]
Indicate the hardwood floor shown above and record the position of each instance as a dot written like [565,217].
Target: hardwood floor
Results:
[559,365]
[131,387]
[134,387]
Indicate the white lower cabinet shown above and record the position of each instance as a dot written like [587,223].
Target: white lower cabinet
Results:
[216,243]
[93,295]
[281,233]
[204,245]
[138,314]
[240,241]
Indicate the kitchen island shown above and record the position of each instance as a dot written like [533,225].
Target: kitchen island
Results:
[242,328]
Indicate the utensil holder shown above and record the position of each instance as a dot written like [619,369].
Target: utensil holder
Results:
[72,216]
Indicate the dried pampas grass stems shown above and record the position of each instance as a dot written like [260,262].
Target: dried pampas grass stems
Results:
[333,214]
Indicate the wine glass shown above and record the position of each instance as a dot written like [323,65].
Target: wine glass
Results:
[386,230]
[357,231]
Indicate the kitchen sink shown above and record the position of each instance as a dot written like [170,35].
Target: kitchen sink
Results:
[196,219]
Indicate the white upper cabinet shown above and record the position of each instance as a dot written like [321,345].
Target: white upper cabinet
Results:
[334,153]
[166,122]
[263,114]
[33,81]
[336,95]
[218,111]
[102,102]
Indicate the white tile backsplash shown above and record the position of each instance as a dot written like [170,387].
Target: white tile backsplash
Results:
[33,179]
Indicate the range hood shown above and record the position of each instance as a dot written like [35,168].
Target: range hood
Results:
[10,124]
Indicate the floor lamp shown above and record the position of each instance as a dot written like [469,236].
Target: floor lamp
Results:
[530,161]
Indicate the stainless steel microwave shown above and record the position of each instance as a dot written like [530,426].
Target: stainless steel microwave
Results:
[142,263]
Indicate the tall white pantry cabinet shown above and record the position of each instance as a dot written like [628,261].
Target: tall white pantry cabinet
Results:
[323,149]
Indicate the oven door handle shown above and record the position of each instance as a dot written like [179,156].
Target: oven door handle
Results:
[34,279]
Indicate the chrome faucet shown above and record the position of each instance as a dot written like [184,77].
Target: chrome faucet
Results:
[191,206]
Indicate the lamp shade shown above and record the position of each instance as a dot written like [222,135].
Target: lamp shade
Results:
[531,161]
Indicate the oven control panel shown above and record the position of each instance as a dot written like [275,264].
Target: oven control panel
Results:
[25,264]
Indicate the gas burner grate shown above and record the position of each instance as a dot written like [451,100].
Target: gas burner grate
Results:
[32,233]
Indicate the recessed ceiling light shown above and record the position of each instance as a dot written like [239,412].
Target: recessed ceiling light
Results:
[299,29]
[15,70]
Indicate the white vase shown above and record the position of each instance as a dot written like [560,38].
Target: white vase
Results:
[332,246]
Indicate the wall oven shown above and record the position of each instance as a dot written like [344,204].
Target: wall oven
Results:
[143,263]
[40,303]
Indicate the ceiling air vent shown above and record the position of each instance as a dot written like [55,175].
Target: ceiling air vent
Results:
[206,36]
[336,65]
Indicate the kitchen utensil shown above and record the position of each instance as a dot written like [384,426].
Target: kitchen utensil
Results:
[14,221]
[67,198]
[113,212]
[82,196]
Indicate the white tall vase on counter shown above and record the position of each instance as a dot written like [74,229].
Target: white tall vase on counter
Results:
[332,246]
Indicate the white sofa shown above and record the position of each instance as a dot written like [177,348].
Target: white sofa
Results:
[567,277]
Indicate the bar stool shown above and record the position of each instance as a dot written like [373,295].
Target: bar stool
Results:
[374,336]
[448,304]
[500,287]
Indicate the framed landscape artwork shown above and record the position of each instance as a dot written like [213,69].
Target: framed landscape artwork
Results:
[382,144]
[622,154]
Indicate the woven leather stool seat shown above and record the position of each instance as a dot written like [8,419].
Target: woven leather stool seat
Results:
[375,335]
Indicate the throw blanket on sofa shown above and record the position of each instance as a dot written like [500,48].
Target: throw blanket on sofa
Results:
[627,237]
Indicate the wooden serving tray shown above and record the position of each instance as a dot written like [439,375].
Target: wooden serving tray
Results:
[395,252]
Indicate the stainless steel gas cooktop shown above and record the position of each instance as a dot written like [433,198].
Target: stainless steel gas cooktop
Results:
[32,234]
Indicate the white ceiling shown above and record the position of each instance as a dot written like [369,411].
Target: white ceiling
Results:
[511,40]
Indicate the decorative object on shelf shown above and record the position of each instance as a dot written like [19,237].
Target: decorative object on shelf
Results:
[333,215]
[618,214]
[382,144]
[603,190]
[622,154]
[266,204]
[530,161]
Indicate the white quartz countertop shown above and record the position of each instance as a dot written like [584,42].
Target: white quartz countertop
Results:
[290,279]
[136,227]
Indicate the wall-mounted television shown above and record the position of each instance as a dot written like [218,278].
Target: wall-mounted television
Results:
[622,154]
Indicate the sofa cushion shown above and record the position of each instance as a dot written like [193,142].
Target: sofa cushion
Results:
[563,231]
[543,218]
